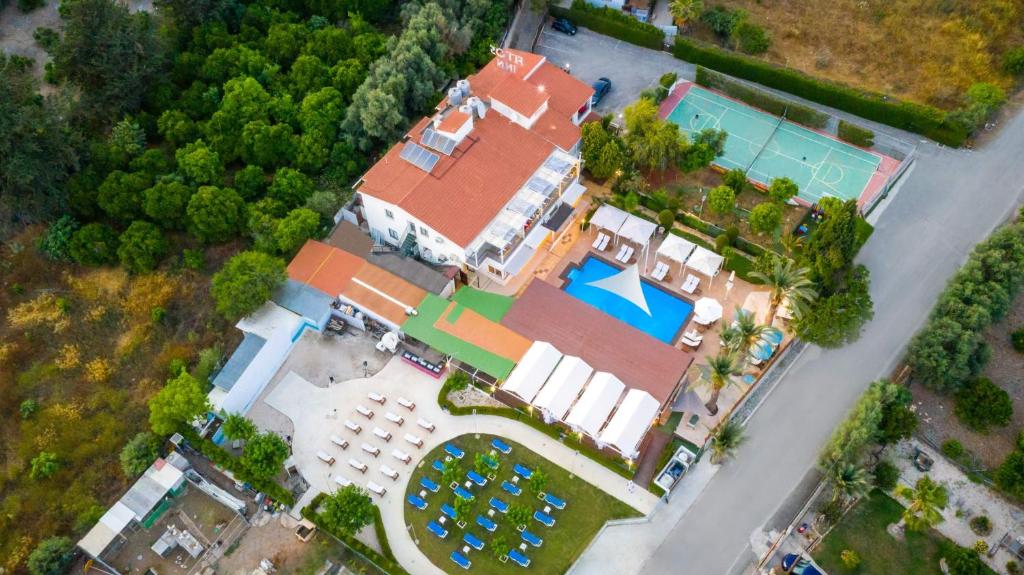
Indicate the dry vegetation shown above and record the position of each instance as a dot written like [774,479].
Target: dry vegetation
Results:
[929,51]
[86,346]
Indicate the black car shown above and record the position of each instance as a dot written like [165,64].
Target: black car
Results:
[601,88]
[797,565]
[565,26]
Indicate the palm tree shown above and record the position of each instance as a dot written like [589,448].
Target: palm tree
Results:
[790,243]
[786,281]
[744,333]
[927,499]
[848,480]
[685,11]
[728,438]
[717,374]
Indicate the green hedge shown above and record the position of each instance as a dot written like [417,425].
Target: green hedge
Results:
[760,99]
[926,120]
[612,23]
[855,134]
[388,564]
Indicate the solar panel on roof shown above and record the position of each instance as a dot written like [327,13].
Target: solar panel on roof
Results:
[418,156]
[438,142]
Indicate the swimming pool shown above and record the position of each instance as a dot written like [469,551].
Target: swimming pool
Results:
[668,312]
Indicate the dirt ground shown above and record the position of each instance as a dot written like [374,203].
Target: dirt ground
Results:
[1005,369]
[16,30]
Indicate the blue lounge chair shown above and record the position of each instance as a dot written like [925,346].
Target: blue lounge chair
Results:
[461,560]
[544,518]
[454,451]
[473,541]
[499,505]
[532,539]
[523,471]
[417,502]
[486,523]
[501,446]
[519,558]
[476,478]
[463,492]
[428,484]
[438,465]
[436,529]
[448,510]
[511,488]
[554,501]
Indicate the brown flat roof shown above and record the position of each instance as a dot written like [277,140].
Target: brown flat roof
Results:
[545,313]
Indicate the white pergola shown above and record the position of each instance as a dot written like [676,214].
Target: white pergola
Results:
[624,225]
[596,403]
[631,421]
[706,262]
[677,249]
[609,218]
[532,371]
[563,387]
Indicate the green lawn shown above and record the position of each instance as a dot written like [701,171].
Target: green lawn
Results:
[587,508]
[863,530]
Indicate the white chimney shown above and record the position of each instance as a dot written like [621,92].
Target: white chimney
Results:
[478,105]
[455,96]
[463,86]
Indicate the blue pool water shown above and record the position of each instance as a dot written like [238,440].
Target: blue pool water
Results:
[668,312]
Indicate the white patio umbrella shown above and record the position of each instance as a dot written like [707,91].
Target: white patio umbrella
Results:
[708,309]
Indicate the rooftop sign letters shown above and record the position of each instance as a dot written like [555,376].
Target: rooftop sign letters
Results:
[506,60]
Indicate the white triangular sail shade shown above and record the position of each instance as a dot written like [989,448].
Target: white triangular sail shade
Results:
[625,284]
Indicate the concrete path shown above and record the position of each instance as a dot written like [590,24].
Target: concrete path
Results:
[312,411]
[951,200]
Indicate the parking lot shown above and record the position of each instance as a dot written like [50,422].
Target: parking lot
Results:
[590,56]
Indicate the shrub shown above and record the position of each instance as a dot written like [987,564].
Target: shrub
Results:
[1012,567]
[760,99]
[666,218]
[28,408]
[926,120]
[668,79]
[94,245]
[47,38]
[245,282]
[142,247]
[886,475]
[56,242]
[721,200]
[30,5]
[963,561]
[850,559]
[982,403]
[855,134]
[736,179]
[751,38]
[193,259]
[612,23]
[765,217]
[782,190]
[721,242]
[952,449]
[721,20]
[51,557]
[1017,339]
[139,453]
[1013,61]
[981,525]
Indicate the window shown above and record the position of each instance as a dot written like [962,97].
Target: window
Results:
[393,233]
[424,232]
[389,214]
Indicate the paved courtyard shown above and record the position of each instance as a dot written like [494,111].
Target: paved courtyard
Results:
[318,412]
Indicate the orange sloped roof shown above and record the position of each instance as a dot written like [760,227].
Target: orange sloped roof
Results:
[567,93]
[520,95]
[324,267]
[389,283]
[453,121]
[473,328]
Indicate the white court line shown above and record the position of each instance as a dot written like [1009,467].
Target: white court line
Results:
[731,106]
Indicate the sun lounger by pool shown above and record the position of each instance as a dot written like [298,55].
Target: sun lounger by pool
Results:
[429,484]
[376,488]
[499,505]
[376,397]
[414,439]
[522,471]
[401,456]
[690,342]
[374,451]
[357,465]
[341,481]
[622,253]
[364,411]
[462,492]
[660,271]
[519,558]
[436,529]
[448,510]
[339,442]
[382,433]
[388,472]
[625,254]
[406,403]
[461,560]
[601,243]
[394,418]
[425,425]
[501,446]
[353,426]
[486,523]
[510,488]
[532,539]
[454,451]
[691,283]
[544,518]
[417,502]
[554,501]
[473,541]
[437,465]
[476,478]
[325,457]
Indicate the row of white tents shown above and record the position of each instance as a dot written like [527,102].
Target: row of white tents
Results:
[567,389]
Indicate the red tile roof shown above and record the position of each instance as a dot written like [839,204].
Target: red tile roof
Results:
[326,268]
[567,93]
[453,121]
[545,313]
[520,95]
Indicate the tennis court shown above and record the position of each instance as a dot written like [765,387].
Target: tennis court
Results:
[769,147]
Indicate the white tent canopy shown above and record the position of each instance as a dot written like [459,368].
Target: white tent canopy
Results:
[705,261]
[625,284]
[677,249]
[563,386]
[610,218]
[532,371]
[596,403]
[631,421]
[637,230]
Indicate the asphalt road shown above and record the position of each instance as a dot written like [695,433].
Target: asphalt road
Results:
[951,200]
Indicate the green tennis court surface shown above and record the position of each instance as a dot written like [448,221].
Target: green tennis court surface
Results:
[767,148]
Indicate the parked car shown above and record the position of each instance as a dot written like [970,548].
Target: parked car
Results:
[796,564]
[601,88]
[565,26]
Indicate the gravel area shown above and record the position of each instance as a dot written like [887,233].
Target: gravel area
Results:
[473,397]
